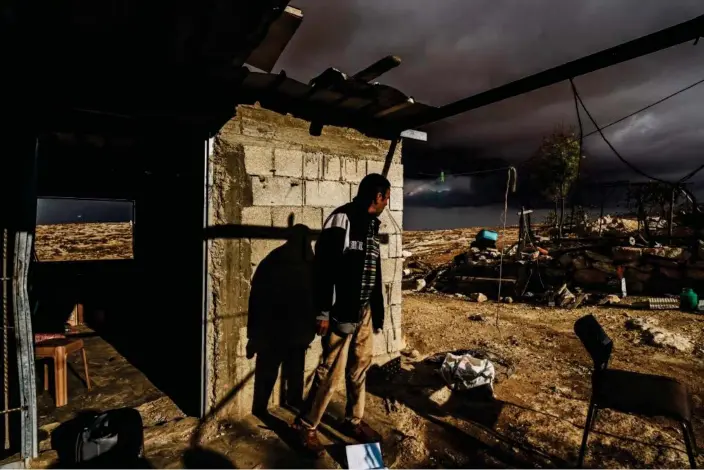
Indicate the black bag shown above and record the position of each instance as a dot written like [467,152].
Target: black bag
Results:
[104,440]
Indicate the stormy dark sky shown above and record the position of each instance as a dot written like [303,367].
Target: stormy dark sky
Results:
[455,48]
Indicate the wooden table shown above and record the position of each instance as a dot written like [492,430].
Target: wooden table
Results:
[58,350]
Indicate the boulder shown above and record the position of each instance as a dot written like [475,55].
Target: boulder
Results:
[590,276]
[478,297]
[605,267]
[695,274]
[627,253]
[593,255]
[580,262]
[671,273]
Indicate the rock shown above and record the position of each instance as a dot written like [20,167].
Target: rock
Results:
[406,272]
[406,254]
[657,336]
[513,340]
[633,274]
[671,273]
[605,267]
[669,252]
[565,260]
[610,300]
[477,317]
[412,353]
[695,274]
[626,253]
[420,284]
[442,396]
[590,276]
[508,300]
[580,262]
[478,297]
[593,255]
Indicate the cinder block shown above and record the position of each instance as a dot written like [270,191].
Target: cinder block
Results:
[396,203]
[326,213]
[398,218]
[258,160]
[260,216]
[261,249]
[394,340]
[354,189]
[384,250]
[277,191]
[392,293]
[395,245]
[395,175]
[242,342]
[308,216]
[390,222]
[394,318]
[380,344]
[392,270]
[327,193]
[288,162]
[332,168]
[353,170]
[313,166]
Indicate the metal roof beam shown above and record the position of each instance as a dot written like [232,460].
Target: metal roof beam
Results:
[663,39]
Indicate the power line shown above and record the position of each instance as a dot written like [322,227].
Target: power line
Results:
[647,107]
[618,155]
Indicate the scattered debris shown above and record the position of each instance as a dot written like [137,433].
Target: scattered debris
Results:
[657,336]
[466,372]
[610,299]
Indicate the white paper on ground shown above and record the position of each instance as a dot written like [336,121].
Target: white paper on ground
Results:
[364,456]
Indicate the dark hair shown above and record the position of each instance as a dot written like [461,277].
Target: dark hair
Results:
[371,185]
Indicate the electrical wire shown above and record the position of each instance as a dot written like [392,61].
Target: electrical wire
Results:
[672,95]
[618,155]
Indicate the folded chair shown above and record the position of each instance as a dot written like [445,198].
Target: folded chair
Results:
[631,392]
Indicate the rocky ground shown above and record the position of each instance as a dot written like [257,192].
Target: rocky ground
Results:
[84,241]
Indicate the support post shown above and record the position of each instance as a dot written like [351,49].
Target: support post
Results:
[671,215]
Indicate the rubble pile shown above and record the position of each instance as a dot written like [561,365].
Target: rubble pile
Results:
[607,225]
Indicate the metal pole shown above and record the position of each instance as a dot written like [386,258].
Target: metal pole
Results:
[5,353]
[671,215]
[663,39]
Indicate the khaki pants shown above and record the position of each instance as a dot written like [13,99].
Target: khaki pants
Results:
[343,356]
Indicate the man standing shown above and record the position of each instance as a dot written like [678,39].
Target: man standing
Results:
[351,306]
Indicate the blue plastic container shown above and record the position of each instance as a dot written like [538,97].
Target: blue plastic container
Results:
[489,235]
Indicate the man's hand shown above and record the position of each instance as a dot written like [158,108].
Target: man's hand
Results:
[322,327]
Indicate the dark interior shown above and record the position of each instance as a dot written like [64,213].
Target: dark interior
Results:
[148,308]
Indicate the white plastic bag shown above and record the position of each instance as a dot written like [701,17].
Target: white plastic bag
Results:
[466,372]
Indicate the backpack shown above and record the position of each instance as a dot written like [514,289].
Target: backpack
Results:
[114,438]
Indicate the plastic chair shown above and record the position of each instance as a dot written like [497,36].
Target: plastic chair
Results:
[631,392]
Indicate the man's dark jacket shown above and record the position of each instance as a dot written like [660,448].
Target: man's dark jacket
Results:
[339,263]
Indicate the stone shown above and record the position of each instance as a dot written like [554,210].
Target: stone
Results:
[590,276]
[580,262]
[565,260]
[605,267]
[507,300]
[391,270]
[695,274]
[477,317]
[669,252]
[261,249]
[410,352]
[406,254]
[288,162]
[420,284]
[610,300]
[627,253]
[478,297]
[671,273]
[326,193]
[657,336]
[593,255]
[276,191]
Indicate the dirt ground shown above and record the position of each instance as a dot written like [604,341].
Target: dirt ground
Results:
[84,241]
[535,419]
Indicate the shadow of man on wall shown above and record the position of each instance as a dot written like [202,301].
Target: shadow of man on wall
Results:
[281,319]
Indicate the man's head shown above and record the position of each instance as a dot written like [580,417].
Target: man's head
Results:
[374,192]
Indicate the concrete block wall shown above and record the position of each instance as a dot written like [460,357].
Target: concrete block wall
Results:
[269,171]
